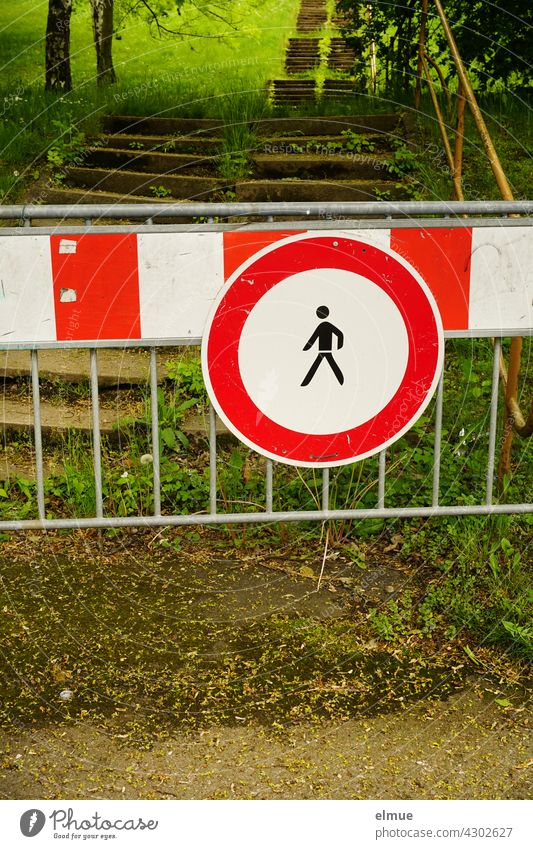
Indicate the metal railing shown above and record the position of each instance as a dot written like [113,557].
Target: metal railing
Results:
[354,212]
[320,216]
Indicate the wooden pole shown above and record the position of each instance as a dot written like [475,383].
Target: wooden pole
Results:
[421,51]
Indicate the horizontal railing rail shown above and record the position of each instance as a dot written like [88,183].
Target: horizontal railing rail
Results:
[373,209]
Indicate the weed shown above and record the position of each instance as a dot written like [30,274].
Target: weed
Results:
[355,142]
[187,374]
[234,165]
[404,160]
[160,191]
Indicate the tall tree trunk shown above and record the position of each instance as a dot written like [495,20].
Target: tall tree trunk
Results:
[103,40]
[57,63]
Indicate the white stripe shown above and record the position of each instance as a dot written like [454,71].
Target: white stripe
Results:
[501,278]
[179,277]
[26,291]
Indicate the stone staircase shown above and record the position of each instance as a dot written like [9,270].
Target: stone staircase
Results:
[312,16]
[163,159]
[341,57]
[302,55]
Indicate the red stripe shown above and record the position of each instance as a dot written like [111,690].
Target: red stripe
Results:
[102,276]
[238,247]
[442,257]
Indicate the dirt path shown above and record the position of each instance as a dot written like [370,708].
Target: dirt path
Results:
[465,747]
[135,670]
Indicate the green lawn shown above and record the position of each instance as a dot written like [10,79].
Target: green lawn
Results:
[246,56]
[156,75]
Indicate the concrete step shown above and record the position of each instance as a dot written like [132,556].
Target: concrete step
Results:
[321,125]
[57,420]
[332,165]
[332,125]
[303,42]
[146,125]
[294,68]
[71,196]
[116,367]
[139,183]
[152,162]
[339,88]
[25,468]
[290,144]
[315,190]
[173,144]
[17,416]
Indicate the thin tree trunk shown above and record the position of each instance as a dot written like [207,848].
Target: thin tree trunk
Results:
[421,50]
[103,40]
[57,62]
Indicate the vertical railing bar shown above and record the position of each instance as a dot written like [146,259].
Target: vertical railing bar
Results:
[210,220]
[493,419]
[270,219]
[381,477]
[97,447]
[212,460]
[325,489]
[155,432]
[88,222]
[438,441]
[38,437]
[27,222]
[149,221]
[269,474]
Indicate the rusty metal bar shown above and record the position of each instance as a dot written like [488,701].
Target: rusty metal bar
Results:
[440,118]
[459,141]
[490,150]
[444,87]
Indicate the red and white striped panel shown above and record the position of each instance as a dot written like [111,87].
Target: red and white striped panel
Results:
[162,285]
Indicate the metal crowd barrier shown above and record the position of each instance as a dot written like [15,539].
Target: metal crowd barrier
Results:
[217,216]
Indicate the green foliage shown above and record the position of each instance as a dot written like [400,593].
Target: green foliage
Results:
[404,160]
[357,142]
[522,636]
[495,58]
[68,146]
[240,113]
[187,374]
[484,583]
[160,191]
[234,165]
[395,620]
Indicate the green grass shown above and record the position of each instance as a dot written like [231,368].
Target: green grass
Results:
[247,55]
[156,76]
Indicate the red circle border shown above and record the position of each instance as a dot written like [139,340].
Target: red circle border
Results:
[253,281]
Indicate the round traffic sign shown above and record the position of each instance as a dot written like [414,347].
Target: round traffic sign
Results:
[322,350]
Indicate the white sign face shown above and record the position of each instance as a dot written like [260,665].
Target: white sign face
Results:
[273,363]
[322,349]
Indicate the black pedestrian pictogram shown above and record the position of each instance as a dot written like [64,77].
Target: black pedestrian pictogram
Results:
[324,335]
